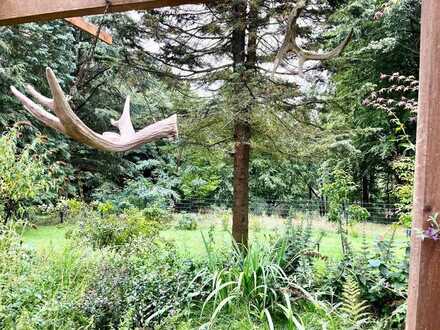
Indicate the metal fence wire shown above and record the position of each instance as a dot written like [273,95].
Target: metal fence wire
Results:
[384,213]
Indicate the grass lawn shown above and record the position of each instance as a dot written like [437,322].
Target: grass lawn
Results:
[190,243]
[46,237]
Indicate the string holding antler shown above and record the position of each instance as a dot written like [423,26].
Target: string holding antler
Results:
[68,123]
[290,44]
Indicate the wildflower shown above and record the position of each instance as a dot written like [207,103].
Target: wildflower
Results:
[431,233]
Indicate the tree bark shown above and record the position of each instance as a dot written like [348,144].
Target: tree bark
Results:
[242,132]
[365,190]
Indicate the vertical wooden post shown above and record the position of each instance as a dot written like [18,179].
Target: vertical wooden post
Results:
[424,280]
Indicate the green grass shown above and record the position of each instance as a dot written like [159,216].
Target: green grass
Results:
[46,237]
[190,243]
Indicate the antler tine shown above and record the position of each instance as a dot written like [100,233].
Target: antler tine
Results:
[43,100]
[38,112]
[73,125]
[124,124]
[331,54]
[290,44]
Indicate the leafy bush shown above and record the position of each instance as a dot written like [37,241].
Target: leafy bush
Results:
[105,208]
[157,213]
[23,176]
[105,299]
[147,284]
[357,214]
[300,249]
[381,276]
[117,230]
[187,221]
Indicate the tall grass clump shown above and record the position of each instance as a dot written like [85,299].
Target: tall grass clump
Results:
[256,283]
[39,290]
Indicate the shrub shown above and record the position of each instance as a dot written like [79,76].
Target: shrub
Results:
[157,213]
[40,291]
[74,206]
[187,221]
[357,214]
[300,247]
[105,208]
[23,176]
[116,230]
[145,285]
[105,300]
[381,276]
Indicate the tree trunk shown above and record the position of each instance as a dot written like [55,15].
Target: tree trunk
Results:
[365,190]
[242,132]
[240,220]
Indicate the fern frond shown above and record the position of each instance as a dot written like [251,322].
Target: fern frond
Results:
[353,309]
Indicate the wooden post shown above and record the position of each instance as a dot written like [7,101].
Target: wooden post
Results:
[424,280]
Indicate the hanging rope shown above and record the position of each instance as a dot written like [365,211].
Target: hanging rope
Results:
[84,66]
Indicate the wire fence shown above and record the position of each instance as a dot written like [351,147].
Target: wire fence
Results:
[384,213]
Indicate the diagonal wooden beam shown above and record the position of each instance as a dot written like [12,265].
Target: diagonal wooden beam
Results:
[25,11]
[82,24]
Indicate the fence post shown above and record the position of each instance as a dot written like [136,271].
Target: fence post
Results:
[424,280]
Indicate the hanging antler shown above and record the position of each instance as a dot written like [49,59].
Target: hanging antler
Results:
[290,44]
[68,123]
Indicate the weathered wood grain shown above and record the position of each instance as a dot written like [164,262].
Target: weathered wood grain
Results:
[424,282]
[24,11]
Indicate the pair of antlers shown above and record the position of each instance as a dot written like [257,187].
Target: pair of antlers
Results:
[68,123]
[290,45]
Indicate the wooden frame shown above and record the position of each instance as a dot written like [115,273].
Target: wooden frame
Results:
[424,284]
[424,280]
[87,27]
[24,11]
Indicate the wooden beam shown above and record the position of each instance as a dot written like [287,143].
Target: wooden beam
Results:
[87,27]
[424,280]
[25,11]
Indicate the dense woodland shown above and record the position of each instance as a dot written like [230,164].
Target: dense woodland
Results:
[349,121]
[179,61]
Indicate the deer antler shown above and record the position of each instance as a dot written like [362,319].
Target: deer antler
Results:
[290,44]
[68,123]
